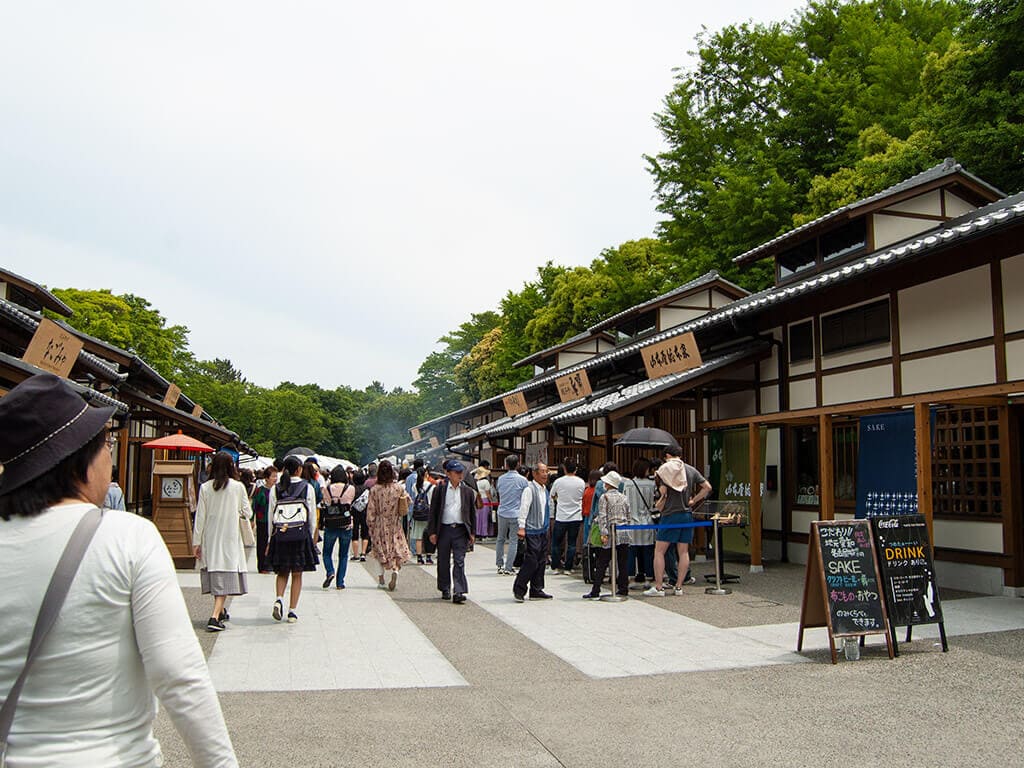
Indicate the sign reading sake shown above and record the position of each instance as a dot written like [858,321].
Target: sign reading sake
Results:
[53,349]
[515,404]
[573,386]
[675,355]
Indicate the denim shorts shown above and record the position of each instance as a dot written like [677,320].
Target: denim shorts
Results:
[677,535]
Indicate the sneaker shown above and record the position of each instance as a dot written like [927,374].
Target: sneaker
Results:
[292,617]
[689,580]
[677,591]
[540,596]
[328,580]
[430,560]
[362,558]
[278,609]
[501,571]
[590,596]
[654,592]
[419,559]
[354,558]
[459,598]
[446,595]
[215,625]
[518,598]
[224,616]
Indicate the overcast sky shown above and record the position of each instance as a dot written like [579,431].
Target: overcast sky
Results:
[352,179]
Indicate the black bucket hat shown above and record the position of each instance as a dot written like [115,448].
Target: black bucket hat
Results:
[42,422]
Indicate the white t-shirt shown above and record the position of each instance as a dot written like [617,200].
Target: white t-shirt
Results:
[123,634]
[567,492]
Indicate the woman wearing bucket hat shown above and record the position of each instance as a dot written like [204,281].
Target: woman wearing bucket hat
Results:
[123,632]
[612,509]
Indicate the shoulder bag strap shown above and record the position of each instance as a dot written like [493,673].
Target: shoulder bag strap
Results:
[641,494]
[53,600]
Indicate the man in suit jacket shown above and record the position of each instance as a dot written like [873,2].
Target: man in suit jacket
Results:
[450,527]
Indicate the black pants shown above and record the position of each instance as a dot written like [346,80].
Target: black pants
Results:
[452,542]
[531,573]
[604,557]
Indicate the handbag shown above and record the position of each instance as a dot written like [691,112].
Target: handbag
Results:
[403,504]
[291,521]
[53,601]
[245,529]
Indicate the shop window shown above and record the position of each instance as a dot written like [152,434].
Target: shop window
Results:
[801,342]
[845,441]
[797,259]
[807,476]
[858,327]
[966,470]
[846,240]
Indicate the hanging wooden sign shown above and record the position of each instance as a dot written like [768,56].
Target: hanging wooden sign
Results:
[171,396]
[197,411]
[573,386]
[415,434]
[842,587]
[53,349]
[435,443]
[515,404]
[675,355]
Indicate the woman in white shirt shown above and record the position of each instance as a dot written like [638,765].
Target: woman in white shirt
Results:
[223,503]
[123,632]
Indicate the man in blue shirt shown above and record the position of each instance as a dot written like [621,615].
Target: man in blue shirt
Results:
[510,488]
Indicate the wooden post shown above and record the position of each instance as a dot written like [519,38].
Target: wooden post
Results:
[826,480]
[609,440]
[754,431]
[923,457]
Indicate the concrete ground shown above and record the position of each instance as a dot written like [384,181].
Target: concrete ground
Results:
[507,693]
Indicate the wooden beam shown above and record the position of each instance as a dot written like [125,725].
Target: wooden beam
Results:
[826,480]
[754,431]
[923,456]
[1010,461]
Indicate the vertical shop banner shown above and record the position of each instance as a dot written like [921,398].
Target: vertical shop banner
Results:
[734,473]
[886,470]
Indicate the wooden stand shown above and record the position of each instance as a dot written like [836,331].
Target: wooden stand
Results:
[173,503]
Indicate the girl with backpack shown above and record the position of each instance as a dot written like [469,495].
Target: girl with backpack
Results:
[292,511]
[337,524]
[420,513]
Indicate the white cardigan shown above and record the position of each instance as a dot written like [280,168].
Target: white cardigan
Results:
[123,634]
[216,527]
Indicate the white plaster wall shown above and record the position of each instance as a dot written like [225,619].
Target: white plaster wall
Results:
[802,520]
[770,399]
[1013,293]
[972,535]
[771,501]
[865,384]
[893,229]
[946,311]
[569,358]
[855,356]
[969,368]
[983,579]
[928,203]
[770,365]
[1015,360]
[957,206]
[734,405]
[719,299]
[802,394]
[669,317]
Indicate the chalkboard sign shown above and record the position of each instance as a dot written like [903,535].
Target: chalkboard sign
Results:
[842,590]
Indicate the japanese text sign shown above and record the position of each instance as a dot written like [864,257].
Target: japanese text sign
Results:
[515,404]
[171,397]
[573,386]
[53,349]
[675,355]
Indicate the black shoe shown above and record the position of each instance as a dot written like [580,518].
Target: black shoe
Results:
[328,580]
[215,625]
[459,598]
[362,558]
[354,557]
[419,559]
[623,594]
[446,595]
[590,596]
[224,616]
[540,596]
[517,597]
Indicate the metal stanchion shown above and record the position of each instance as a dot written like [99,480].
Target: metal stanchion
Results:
[718,589]
[613,597]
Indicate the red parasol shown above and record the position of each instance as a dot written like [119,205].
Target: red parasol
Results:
[179,442]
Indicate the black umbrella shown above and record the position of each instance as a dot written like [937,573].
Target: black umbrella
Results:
[647,437]
[301,451]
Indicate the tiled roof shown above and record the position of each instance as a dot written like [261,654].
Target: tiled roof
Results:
[699,282]
[44,297]
[624,396]
[477,432]
[91,395]
[579,337]
[538,415]
[949,167]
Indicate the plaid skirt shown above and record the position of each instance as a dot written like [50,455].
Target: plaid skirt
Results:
[292,556]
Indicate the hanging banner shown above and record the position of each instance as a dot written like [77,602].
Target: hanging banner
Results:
[53,349]
[730,477]
[675,355]
[573,386]
[171,396]
[536,453]
[515,404]
[886,465]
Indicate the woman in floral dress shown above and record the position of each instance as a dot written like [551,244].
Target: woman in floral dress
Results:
[387,506]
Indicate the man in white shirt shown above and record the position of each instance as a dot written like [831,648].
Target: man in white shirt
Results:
[450,527]
[534,518]
[567,493]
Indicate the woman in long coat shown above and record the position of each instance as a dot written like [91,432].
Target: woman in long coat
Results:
[384,518]
[217,540]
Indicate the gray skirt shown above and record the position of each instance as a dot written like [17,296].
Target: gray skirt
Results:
[219,583]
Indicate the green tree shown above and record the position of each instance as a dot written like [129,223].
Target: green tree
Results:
[437,382]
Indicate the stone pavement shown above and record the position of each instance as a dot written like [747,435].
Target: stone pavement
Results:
[371,675]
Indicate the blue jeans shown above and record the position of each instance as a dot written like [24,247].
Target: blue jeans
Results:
[344,538]
[568,530]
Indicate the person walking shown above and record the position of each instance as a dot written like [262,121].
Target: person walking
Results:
[485,504]
[385,509]
[123,632]
[290,549]
[612,509]
[450,527]
[420,512]
[534,521]
[217,542]
[683,488]
[567,494]
[337,524]
[260,504]
[115,496]
[360,530]
[509,488]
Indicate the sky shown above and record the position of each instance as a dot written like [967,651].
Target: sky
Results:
[319,191]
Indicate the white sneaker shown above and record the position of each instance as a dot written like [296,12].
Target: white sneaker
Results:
[677,591]
[654,592]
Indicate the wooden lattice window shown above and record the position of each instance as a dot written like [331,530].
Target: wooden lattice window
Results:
[966,477]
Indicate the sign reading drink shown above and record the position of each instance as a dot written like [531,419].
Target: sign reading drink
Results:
[573,386]
[53,349]
[675,355]
[908,574]
[515,404]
